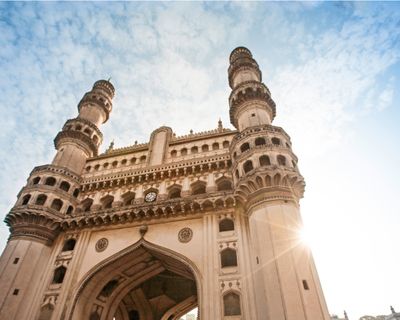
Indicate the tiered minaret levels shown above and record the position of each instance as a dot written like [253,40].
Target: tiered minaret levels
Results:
[153,230]
[50,195]
[269,186]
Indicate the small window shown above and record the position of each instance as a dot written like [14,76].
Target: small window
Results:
[70,209]
[224,185]
[41,199]
[16,260]
[115,163]
[87,204]
[248,166]
[281,160]
[174,153]
[183,152]
[107,202]
[142,159]
[124,161]
[76,193]
[225,144]
[174,193]
[87,131]
[57,204]
[198,188]
[95,139]
[259,141]
[228,258]
[276,141]
[226,225]
[128,198]
[26,199]
[133,160]
[305,285]
[88,168]
[105,165]
[244,147]
[59,274]
[194,150]
[15,292]
[264,161]
[50,181]
[253,114]
[97,167]
[65,186]
[232,304]
[215,146]
[204,148]
[78,127]
[69,245]
[234,155]
[36,180]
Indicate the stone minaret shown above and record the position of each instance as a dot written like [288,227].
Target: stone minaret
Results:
[269,186]
[50,195]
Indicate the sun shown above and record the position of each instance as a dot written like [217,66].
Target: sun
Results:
[305,237]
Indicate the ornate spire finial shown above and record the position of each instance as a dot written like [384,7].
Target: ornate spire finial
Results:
[345,315]
[109,79]
[220,127]
[392,309]
[143,229]
[111,146]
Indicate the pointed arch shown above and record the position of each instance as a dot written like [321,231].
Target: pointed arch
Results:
[224,184]
[232,304]
[83,296]
[248,166]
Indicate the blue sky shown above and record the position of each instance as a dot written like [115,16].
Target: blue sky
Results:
[333,70]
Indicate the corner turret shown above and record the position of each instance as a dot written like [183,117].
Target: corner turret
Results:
[80,137]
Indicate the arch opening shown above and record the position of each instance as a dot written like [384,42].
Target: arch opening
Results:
[141,282]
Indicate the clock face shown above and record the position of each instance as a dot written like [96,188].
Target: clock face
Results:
[150,197]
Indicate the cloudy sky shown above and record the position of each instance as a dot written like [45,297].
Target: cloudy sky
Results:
[333,70]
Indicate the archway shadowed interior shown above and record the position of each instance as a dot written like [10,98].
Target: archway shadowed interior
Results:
[143,281]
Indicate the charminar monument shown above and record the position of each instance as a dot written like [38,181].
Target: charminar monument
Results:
[151,231]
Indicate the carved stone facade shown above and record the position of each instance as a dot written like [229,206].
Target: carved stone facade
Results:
[152,230]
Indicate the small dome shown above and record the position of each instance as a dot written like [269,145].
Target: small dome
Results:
[240,52]
[105,85]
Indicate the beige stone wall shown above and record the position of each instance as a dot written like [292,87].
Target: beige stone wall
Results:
[287,287]
[21,280]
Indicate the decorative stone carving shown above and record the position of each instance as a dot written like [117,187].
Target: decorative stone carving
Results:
[185,235]
[143,229]
[101,244]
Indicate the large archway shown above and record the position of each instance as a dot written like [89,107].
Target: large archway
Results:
[142,282]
